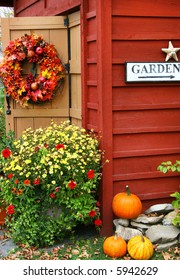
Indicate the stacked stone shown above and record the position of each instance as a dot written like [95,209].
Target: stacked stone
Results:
[155,223]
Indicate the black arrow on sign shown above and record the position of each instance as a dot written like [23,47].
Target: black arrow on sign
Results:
[156,77]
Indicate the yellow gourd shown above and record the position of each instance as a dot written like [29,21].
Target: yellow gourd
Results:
[140,248]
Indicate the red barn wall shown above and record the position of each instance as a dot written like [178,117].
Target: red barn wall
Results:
[139,122]
[146,117]
[28,8]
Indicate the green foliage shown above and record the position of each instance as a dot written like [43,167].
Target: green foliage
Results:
[51,182]
[2,118]
[176,205]
[165,167]
[5,140]
[169,166]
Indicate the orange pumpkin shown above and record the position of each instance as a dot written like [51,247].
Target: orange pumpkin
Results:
[126,205]
[115,246]
[140,248]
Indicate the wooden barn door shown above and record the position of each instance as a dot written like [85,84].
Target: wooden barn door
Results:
[75,68]
[54,31]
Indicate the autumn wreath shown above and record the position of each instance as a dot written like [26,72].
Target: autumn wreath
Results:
[32,87]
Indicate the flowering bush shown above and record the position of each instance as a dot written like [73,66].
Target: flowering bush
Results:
[51,181]
[2,117]
[33,49]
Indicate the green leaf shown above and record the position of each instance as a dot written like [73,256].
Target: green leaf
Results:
[175,204]
[178,168]
[164,169]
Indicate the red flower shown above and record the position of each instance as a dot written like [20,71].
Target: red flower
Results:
[52,195]
[37,148]
[27,182]
[59,146]
[46,145]
[36,181]
[72,184]
[16,181]
[98,222]
[92,213]
[90,174]
[9,176]
[10,209]
[57,189]
[6,153]
[98,204]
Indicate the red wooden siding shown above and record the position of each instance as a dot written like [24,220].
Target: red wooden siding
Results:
[146,117]
[28,8]
[140,125]
[139,122]
[97,90]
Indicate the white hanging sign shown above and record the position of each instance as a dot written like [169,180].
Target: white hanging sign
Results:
[152,72]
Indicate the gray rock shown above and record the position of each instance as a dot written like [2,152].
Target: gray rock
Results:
[140,225]
[162,234]
[167,245]
[126,232]
[160,208]
[169,217]
[6,246]
[122,222]
[148,220]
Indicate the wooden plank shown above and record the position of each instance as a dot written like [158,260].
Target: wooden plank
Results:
[76,122]
[74,19]
[133,28]
[37,22]
[75,113]
[146,142]
[91,5]
[140,50]
[160,8]
[22,5]
[75,68]
[85,5]
[156,188]
[59,39]
[104,90]
[156,121]
[45,7]
[42,122]
[128,169]
[146,97]
[20,124]
[41,112]
[92,52]
[92,32]
[92,118]
[146,152]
